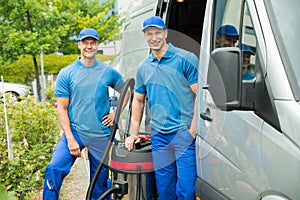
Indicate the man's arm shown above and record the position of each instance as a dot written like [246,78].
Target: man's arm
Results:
[63,118]
[136,117]
[108,119]
[192,130]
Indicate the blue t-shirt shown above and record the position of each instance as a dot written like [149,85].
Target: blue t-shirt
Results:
[248,75]
[167,84]
[87,89]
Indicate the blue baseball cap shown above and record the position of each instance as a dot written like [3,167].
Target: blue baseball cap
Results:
[87,32]
[154,21]
[227,29]
[246,48]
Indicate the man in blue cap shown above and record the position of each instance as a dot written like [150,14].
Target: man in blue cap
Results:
[246,55]
[83,113]
[168,77]
[227,36]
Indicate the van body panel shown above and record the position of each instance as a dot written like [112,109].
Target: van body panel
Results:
[250,151]
[134,48]
[275,70]
[283,163]
[289,117]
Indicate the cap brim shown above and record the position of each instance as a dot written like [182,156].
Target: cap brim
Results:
[86,36]
[153,26]
[251,52]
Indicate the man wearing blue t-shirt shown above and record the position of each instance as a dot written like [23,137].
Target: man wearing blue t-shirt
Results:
[246,54]
[83,113]
[168,77]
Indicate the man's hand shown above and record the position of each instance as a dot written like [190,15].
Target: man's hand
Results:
[74,147]
[130,141]
[108,119]
[192,132]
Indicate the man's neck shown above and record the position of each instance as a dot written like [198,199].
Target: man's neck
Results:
[159,53]
[87,61]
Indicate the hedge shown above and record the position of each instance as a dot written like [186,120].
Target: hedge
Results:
[34,132]
[22,70]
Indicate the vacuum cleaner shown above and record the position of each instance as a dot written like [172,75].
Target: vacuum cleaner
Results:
[137,162]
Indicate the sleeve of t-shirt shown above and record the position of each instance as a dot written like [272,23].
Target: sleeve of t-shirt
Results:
[191,68]
[117,80]
[62,88]
[139,86]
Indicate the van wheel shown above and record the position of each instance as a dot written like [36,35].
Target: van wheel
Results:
[273,195]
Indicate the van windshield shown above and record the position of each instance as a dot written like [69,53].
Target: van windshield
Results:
[284,17]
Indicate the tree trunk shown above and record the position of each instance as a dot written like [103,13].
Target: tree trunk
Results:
[36,67]
[37,77]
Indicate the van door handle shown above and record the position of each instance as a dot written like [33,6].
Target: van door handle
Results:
[205,117]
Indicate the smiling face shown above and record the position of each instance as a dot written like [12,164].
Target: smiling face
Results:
[225,41]
[156,38]
[246,59]
[88,48]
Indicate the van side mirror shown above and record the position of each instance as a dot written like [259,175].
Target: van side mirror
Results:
[224,77]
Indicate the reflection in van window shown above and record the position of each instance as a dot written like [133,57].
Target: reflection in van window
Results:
[227,36]
[227,13]
[246,57]
[248,46]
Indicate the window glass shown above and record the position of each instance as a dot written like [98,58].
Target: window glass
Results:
[284,18]
[248,47]
[227,21]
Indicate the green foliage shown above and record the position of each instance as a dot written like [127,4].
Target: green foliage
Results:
[22,71]
[34,132]
[6,195]
[35,26]
[30,28]
[50,98]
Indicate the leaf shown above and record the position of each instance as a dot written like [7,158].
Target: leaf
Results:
[6,195]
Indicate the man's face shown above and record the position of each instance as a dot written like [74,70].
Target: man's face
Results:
[246,59]
[88,47]
[225,41]
[156,37]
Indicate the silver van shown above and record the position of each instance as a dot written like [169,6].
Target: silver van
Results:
[248,130]
[248,140]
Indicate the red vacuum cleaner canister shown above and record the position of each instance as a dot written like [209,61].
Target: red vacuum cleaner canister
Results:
[138,160]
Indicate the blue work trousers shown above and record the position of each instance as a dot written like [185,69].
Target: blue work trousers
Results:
[62,161]
[174,159]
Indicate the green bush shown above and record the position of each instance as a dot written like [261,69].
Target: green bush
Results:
[34,132]
[22,70]
[6,195]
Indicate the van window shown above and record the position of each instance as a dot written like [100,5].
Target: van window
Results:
[226,13]
[284,18]
[133,52]
[248,47]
